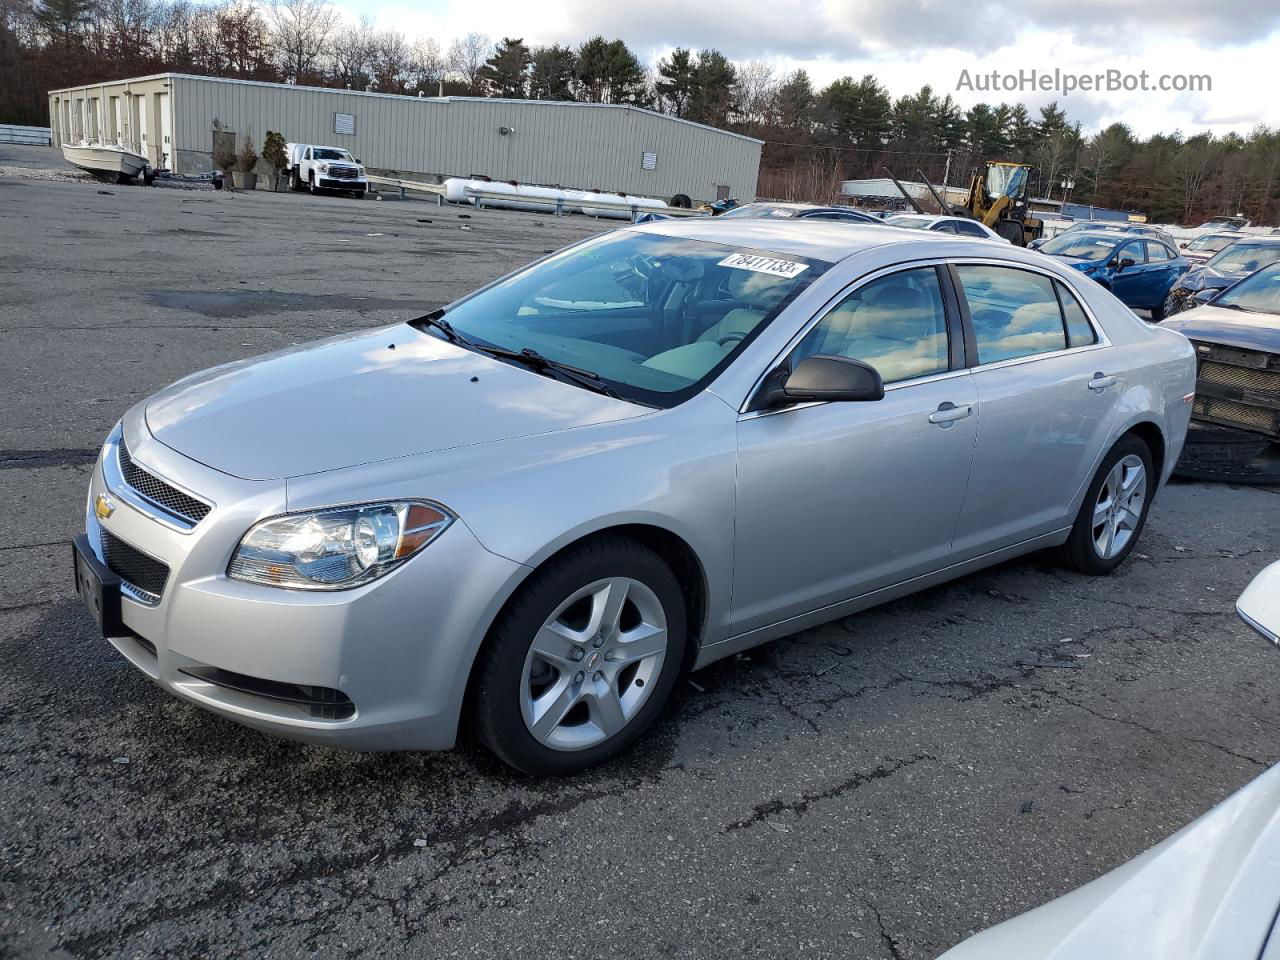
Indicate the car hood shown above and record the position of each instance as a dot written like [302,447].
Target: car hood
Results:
[359,398]
[1205,893]
[1201,277]
[1235,328]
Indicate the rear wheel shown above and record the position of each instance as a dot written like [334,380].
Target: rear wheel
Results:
[583,660]
[1012,231]
[295,182]
[1114,509]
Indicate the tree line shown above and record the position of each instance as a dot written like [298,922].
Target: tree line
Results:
[814,136]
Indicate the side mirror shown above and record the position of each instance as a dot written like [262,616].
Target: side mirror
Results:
[822,377]
[1205,295]
[358,160]
[1259,605]
[1126,262]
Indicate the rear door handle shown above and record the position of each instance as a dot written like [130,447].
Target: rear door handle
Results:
[1100,382]
[948,413]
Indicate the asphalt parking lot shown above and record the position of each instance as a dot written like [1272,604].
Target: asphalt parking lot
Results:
[880,787]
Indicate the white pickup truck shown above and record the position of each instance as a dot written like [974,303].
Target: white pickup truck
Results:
[317,168]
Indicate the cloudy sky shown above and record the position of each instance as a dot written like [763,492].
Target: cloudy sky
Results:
[909,42]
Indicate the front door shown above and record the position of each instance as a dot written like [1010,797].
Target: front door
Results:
[838,499]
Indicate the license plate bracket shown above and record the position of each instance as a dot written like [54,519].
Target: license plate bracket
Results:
[97,587]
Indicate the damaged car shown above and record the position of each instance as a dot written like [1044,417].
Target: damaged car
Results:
[1235,426]
[1201,284]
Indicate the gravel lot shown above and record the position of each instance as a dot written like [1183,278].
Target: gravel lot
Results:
[880,787]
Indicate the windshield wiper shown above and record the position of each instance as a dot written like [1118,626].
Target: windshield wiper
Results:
[436,319]
[536,362]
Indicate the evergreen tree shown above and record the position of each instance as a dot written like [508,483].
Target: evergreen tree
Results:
[552,73]
[674,87]
[505,74]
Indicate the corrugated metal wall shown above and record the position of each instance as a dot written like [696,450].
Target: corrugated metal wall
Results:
[575,145]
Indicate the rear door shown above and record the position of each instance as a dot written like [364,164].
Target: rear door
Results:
[1047,392]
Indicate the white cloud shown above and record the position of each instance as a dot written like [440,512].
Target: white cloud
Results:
[906,43]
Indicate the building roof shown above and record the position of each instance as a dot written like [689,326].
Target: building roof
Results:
[567,104]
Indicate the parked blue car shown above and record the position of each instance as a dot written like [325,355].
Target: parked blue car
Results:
[1202,282]
[1140,271]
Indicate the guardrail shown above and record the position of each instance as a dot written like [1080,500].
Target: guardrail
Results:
[557,205]
[32,136]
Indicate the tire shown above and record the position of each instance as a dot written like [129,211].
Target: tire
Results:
[1012,231]
[592,709]
[1082,551]
[681,201]
[295,182]
[1158,312]
[311,185]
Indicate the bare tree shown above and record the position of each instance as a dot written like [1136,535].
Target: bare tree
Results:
[301,32]
[430,64]
[758,84]
[353,48]
[466,58]
[392,61]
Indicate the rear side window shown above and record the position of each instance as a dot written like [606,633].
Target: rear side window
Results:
[1156,251]
[969,229]
[1079,331]
[897,324]
[1015,313]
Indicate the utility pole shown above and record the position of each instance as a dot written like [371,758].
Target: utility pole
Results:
[946,175]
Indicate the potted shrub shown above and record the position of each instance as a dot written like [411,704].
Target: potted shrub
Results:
[244,177]
[274,153]
[224,152]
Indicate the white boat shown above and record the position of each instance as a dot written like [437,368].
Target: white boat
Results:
[104,159]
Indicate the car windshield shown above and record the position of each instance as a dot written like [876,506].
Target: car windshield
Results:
[1080,246]
[1245,257]
[1259,292]
[915,223]
[653,317]
[329,153]
[1005,180]
[761,211]
[1211,243]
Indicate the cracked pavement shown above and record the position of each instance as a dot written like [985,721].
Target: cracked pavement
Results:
[879,787]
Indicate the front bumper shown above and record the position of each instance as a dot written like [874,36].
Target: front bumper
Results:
[398,650]
[331,183]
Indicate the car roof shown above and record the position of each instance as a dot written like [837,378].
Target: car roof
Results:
[827,240]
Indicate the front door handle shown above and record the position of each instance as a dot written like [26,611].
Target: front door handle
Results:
[948,413]
[1100,382]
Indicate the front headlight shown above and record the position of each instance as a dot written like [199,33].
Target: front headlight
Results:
[324,168]
[338,548]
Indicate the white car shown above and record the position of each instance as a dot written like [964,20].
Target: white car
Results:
[940,223]
[1209,892]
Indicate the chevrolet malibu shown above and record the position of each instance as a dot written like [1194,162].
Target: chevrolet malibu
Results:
[532,510]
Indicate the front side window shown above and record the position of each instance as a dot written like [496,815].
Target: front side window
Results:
[654,317]
[1132,251]
[1015,313]
[897,324]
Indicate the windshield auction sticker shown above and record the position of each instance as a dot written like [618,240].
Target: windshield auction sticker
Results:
[770,265]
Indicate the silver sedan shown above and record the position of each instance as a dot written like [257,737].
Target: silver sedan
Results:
[532,510]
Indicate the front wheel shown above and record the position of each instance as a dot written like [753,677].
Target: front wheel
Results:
[583,660]
[1114,509]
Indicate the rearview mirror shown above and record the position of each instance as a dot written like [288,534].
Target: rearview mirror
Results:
[819,378]
[1259,605]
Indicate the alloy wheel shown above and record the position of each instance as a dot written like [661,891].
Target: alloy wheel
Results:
[1118,510]
[593,664]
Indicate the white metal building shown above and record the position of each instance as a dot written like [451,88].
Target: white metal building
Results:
[171,118]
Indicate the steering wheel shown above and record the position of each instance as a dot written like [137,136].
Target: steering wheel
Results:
[729,338]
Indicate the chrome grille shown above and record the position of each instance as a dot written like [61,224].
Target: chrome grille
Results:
[158,492]
[144,573]
[343,173]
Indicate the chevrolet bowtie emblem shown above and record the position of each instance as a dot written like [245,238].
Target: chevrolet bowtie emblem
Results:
[104,506]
